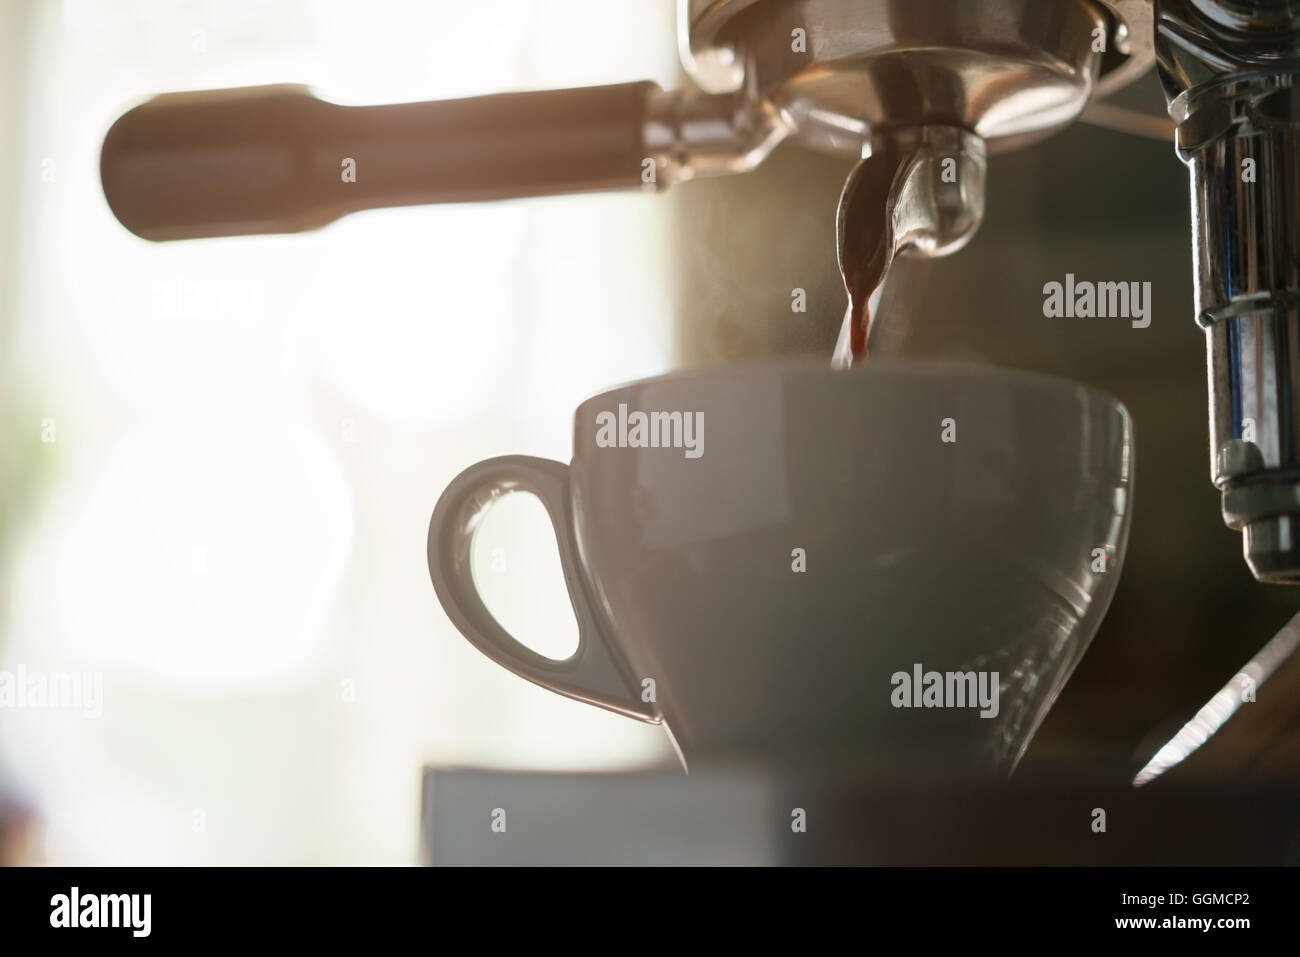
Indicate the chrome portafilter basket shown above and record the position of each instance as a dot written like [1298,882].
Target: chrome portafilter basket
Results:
[920,92]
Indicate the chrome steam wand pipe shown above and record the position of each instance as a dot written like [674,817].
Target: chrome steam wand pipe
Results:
[1231,74]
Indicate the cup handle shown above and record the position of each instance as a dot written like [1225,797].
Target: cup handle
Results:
[596,672]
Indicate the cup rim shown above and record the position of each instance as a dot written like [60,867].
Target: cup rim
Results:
[889,366]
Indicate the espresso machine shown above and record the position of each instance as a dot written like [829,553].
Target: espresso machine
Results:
[921,96]
[922,92]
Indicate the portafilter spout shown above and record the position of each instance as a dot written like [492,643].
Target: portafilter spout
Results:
[919,191]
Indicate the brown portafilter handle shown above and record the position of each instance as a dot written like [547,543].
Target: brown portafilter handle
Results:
[1231,73]
[276,159]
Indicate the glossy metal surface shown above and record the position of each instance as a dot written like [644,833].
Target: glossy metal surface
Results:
[1001,68]
[1009,71]
[1248,16]
[714,34]
[1236,98]
[826,539]
[921,192]
[1221,708]
[690,136]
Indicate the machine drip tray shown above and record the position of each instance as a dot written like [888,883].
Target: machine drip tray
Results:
[747,817]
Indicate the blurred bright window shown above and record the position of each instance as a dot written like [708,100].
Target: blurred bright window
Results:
[232,447]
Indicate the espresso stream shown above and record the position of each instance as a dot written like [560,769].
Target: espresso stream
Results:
[851,348]
[858,317]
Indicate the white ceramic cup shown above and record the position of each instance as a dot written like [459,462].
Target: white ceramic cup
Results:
[775,561]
